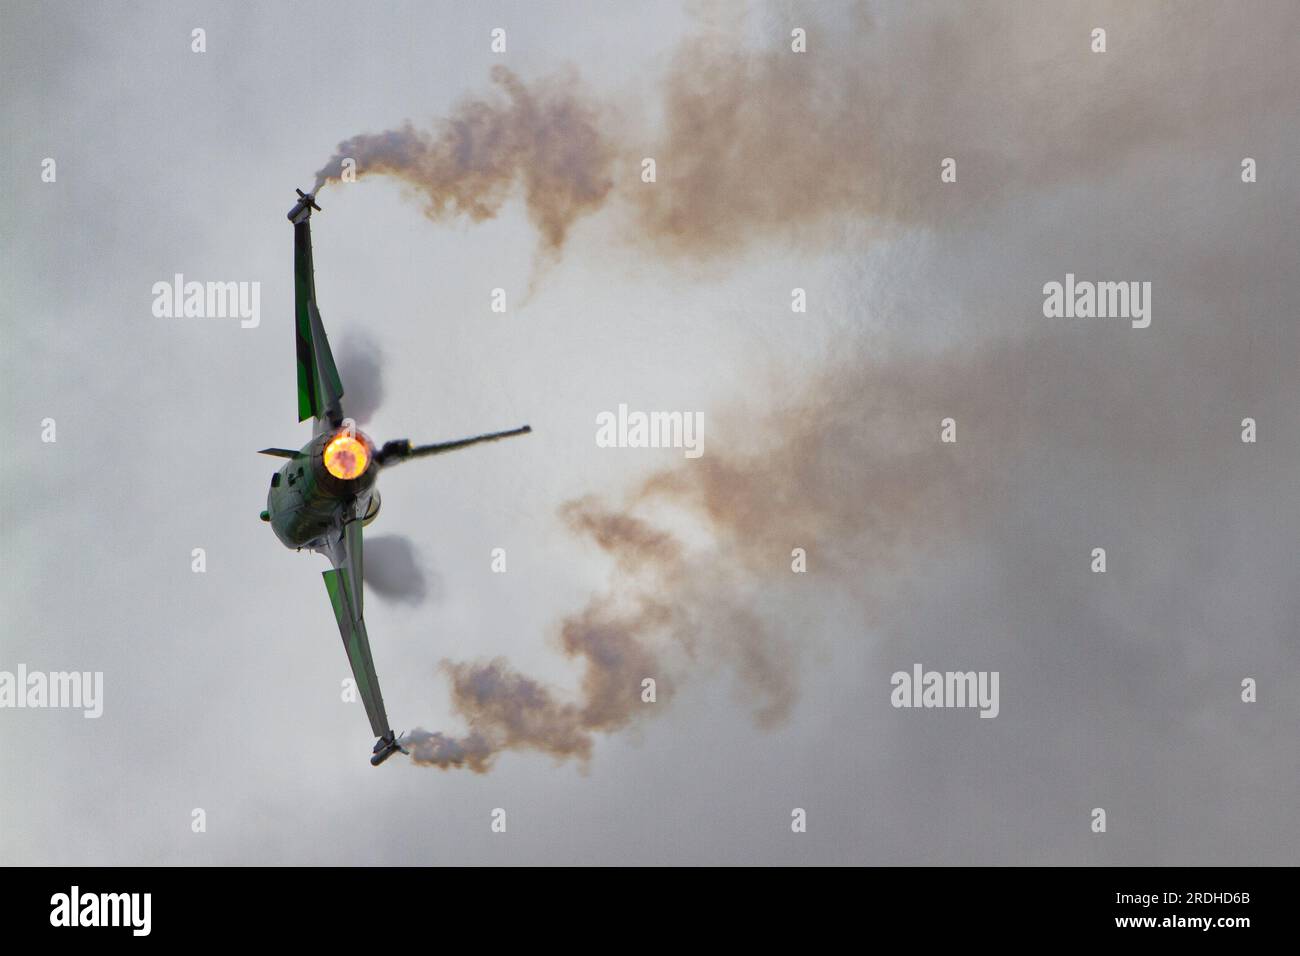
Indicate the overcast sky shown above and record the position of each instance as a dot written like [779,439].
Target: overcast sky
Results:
[817,170]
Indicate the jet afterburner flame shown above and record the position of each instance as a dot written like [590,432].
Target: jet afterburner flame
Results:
[346,456]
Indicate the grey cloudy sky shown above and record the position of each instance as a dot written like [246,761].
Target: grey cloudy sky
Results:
[817,170]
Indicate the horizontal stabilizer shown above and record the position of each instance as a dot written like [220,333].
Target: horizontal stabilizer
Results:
[279,452]
[401,449]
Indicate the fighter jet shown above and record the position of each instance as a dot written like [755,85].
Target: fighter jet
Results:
[325,493]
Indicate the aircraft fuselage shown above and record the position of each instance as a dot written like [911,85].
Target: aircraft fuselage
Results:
[310,499]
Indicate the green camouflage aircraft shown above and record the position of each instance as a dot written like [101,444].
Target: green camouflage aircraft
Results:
[325,493]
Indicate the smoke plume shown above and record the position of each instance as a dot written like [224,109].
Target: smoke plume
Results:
[842,143]
[679,607]
[757,144]
[545,139]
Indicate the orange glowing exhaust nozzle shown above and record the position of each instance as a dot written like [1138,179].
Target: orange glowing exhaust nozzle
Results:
[346,456]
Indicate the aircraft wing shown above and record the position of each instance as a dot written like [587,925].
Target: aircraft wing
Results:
[344,586]
[320,391]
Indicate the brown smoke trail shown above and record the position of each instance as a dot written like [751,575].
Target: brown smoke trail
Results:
[675,609]
[620,645]
[769,146]
[854,474]
[545,137]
